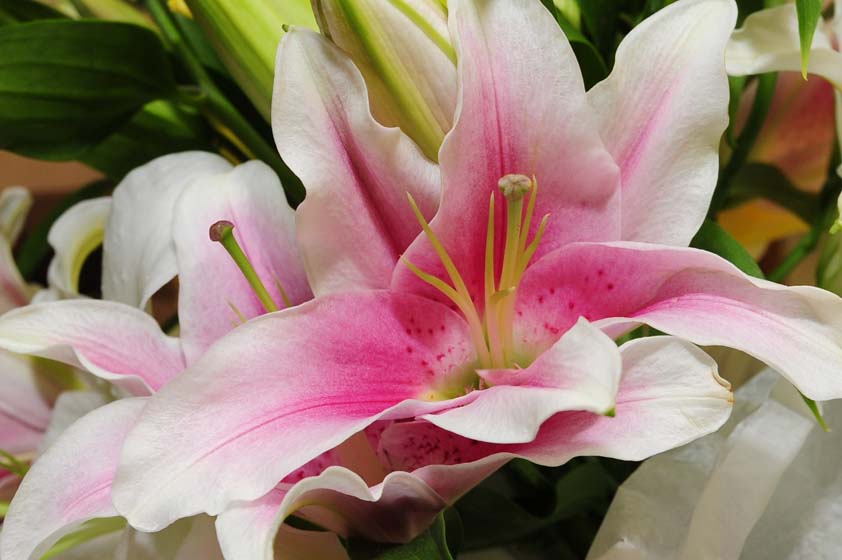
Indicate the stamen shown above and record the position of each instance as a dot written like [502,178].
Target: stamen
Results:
[458,293]
[238,313]
[492,333]
[223,233]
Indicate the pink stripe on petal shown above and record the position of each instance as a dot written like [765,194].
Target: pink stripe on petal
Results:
[357,173]
[517,114]
[662,112]
[282,389]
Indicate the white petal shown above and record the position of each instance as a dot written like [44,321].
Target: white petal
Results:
[768,41]
[77,232]
[662,112]
[138,253]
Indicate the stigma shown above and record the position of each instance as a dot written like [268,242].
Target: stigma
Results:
[492,327]
[222,232]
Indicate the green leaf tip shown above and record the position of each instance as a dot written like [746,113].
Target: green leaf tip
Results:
[814,408]
[809,13]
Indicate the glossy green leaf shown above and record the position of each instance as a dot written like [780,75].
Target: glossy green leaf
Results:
[14,11]
[491,518]
[429,545]
[600,18]
[161,127]
[809,14]
[66,85]
[711,237]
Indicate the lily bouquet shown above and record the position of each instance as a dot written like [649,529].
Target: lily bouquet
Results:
[446,273]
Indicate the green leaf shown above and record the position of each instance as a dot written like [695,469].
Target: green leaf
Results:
[161,127]
[13,11]
[490,518]
[66,85]
[814,408]
[711,237]
[809,13]
[600,18]
[429,545]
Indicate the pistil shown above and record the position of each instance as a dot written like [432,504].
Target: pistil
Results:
[223,233]
[492,331]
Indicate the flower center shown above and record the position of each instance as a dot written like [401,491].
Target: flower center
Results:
[223,233]
[491,330]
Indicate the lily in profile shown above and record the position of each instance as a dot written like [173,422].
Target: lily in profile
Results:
[562,221]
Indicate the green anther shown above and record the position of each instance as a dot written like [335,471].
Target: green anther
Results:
[223,233]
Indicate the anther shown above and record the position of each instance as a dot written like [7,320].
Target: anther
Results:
[514,186]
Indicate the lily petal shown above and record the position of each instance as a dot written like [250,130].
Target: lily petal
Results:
[580,372]
[516,115]
[768,41]
[24,397]
[312,376]
[357,173]
[70,407]
[670,394]
[253,531]
[138,253]
[73,236]
[692,294]
[251,197]
[46,506]
[13,289]
[662,112]
[15,203]
[396,510]
[110,340]
[18,436]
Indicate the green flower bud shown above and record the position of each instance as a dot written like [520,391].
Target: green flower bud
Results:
[402,48]
[246,33]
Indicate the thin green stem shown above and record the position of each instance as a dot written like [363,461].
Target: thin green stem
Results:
[810,240]
[745,141]
[223,233]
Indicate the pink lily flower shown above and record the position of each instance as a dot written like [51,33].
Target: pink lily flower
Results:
[487,340]
[157,228]
[28,396]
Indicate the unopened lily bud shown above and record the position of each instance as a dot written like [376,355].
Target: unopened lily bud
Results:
[402,48]
[114,10]
[245,35]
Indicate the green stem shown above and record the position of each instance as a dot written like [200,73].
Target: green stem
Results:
[808,243]
[745,141]
[217,107]
[223,233]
